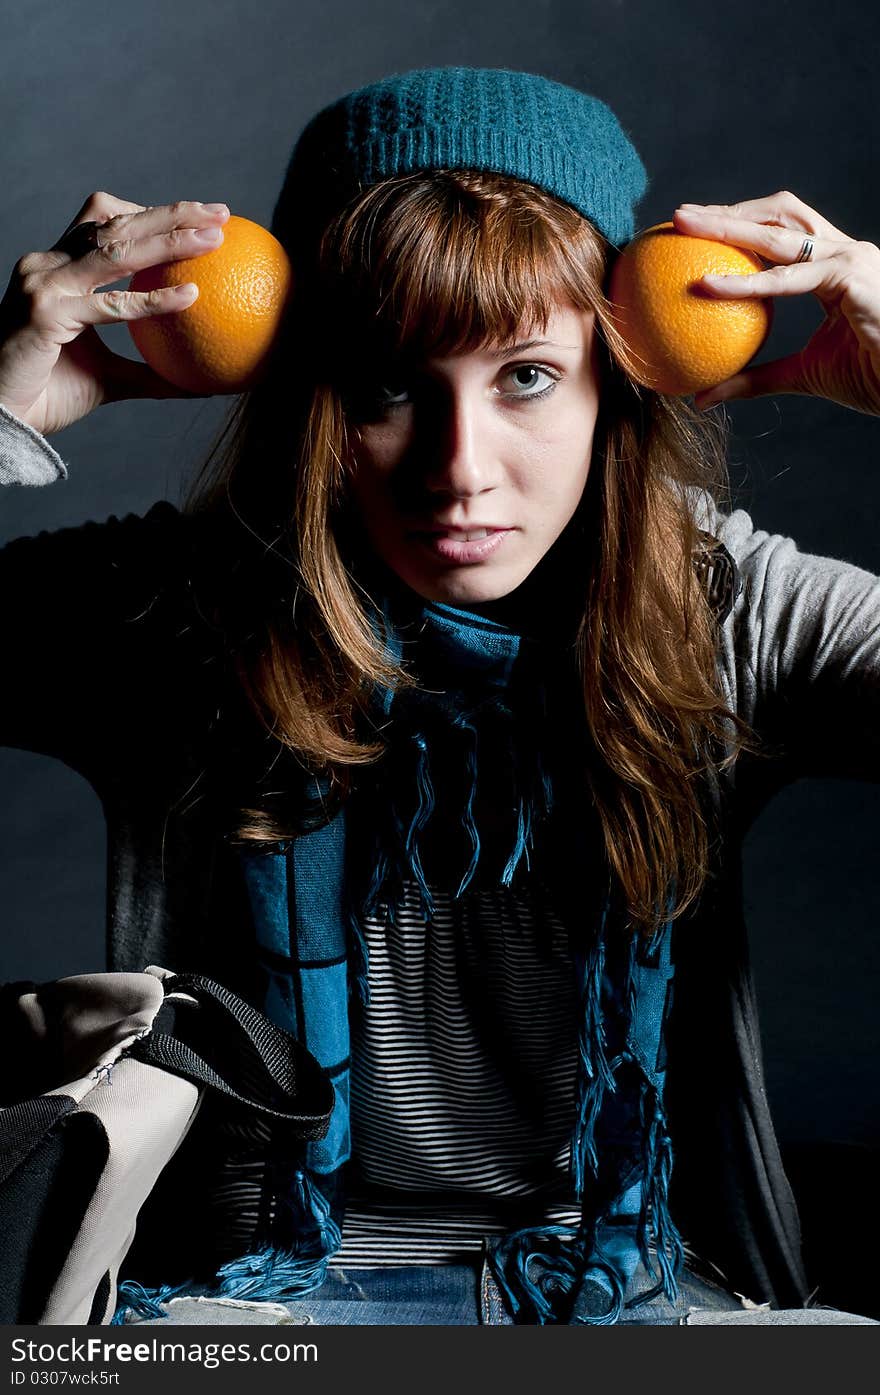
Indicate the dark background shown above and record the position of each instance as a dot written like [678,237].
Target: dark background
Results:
[203,100]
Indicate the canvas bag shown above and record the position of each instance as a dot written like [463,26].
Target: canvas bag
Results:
[103,1075]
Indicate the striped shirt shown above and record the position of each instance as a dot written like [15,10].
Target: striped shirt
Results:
[463,1079]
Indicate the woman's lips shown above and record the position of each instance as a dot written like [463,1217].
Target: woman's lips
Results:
[453,547]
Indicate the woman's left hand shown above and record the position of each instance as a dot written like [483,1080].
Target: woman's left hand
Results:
[842,359]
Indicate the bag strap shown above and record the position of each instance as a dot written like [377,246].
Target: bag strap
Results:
[225,1045]
[23,1127]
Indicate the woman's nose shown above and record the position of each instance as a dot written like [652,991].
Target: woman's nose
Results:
[459,451]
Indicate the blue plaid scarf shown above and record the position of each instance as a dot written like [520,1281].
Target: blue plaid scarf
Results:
[473,742]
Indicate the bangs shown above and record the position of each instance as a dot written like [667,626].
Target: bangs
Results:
[435,264]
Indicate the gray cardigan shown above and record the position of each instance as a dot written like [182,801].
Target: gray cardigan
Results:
[110,666]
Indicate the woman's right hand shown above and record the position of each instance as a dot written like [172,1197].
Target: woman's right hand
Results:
[54,366]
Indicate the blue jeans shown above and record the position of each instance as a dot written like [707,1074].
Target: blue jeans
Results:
[457,1295]
[463,1294]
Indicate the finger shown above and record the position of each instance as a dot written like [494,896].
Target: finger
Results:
[793,279]
[126,256]
[162,220]
[130,379]
[784,209]
[782,375]
[72,313]
[121,377]
[130,242]
[774,243]
[99,208]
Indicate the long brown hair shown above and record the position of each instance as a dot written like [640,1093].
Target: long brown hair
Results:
[438,263]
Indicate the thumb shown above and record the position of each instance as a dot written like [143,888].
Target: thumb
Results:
[781,375]
[133,379]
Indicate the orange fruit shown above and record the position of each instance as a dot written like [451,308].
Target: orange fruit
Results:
[220,342]
[681,340]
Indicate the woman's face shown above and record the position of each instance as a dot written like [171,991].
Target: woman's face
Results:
[469,467]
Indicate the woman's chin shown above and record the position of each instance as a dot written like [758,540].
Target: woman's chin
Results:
[461,589]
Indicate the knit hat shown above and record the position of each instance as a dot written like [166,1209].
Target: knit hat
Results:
[538,130]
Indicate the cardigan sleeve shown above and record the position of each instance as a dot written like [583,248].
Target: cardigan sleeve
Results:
[88,672]
[25,455]
[802,653]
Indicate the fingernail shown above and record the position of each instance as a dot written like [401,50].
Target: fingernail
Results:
[209,234]
[215,208]
[682,207]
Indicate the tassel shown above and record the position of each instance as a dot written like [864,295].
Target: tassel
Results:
[542,782]
[397,867]
[521,845]
[271,1275]
[596,1073]
[468,815]
[314,1208]
[542,1273]
[598,1300]
[146,1302]
[547,790]
[526,755]
[655,1218]
[381,869]
[515,1257]
[424,810]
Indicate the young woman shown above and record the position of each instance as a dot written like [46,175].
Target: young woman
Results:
[437,717]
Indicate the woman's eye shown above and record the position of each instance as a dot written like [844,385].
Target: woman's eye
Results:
[530,380]
[393,396]
[369,402]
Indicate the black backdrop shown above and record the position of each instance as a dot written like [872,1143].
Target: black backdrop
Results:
[158,101]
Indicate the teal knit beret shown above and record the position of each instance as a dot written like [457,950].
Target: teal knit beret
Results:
[533,128]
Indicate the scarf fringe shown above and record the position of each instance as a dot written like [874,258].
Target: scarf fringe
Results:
[467,817]
[585,1270]
[511,1257]
[315,1220]
[574,1274]
[424,810]
[542,1273]
[275,1274]
[265,1275]
[598,1301]
[397,849]
[390,871]
[132,1297]
[380,875]
[522,844]
[655,1218]
[271,1275]
[596,1072]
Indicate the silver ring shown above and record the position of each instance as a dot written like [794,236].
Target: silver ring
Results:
[79,240]
[806,251]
